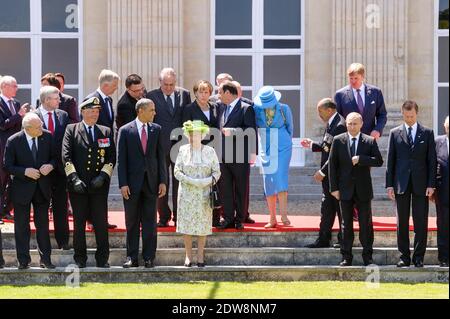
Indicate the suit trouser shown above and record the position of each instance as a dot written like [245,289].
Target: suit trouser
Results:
[140,209]
[329,208]
[366,235]
[420,207]
[22,231]
[59,207]
[442,234]
[164,210]
[95,207]
[2,261]
[5,198]
[233,189]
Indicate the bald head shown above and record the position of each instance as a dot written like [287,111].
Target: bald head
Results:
[326,108]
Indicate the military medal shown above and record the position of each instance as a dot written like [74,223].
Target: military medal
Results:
[104,143]
[102,153]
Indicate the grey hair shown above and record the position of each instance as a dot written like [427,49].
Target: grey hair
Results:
[167,72]
[446,122]
[143,104]
[108,76]
[354,115]
[46,91]
[7,79]
[28,118]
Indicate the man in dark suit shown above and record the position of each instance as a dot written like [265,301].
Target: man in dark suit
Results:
[170,102]
[441,194]
[108,84]
[352,155]
[30,158]
[239,148]
[364,99]
[2,261]
[411,175]
[142,180]
[56,121]
[126,107]
[89,156]
[11,115]
[326,109]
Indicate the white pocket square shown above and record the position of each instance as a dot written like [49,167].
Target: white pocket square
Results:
[373,102]
[422,142]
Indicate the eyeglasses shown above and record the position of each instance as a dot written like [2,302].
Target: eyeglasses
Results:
[137,90]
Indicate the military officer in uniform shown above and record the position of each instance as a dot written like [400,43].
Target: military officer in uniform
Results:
[89,156]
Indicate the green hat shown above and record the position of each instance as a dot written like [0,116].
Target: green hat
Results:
[92,103]
[195,126]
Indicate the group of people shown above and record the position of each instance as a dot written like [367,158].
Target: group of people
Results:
[164,138]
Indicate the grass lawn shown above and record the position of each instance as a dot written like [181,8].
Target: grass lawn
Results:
[227,290]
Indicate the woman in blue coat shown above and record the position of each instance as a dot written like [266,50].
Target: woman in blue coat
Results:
[275,124]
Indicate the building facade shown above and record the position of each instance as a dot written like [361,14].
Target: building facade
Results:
[302,47]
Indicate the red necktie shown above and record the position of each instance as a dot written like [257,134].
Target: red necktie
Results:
[51,125]
[144,139]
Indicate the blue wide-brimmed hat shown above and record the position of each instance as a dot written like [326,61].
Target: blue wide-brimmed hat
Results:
[267,97]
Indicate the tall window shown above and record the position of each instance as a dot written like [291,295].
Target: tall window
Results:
[441,64]
[260,43]
[37,37]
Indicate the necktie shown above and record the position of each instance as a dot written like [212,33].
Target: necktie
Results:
[360,102]
[11,107]
[34,150]
[410,138]
[91,135]
[109,106]
[144,139]
[51,124]
[353,147]
[227,113]
[170,103]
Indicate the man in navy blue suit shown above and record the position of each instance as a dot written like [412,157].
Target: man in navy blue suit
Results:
[364,99]
[142,180]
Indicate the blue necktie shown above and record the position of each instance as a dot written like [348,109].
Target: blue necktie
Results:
[360,102]
[410,138]
[227,113]
[353,147]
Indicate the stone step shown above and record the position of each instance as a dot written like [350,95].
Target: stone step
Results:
[61,276]
[236,257]
[384,239]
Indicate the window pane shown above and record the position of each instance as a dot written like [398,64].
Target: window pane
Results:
[59,15]
[24,96]
[443,59]
[233,17]
[292,98]
[282,44]
[282,70]
[61,55]
[240,68]
[15,59]
[9,16]
[233,44]
[443,14]
[282,17]
[247,94]
[442,108]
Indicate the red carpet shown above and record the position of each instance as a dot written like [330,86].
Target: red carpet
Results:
[298,224]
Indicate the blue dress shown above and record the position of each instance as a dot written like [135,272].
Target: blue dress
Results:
[275,151]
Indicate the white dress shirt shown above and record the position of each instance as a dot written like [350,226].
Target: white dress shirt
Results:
[106,101]
[350,141]
[414,131]
[172,97]
[30,141]
[362,93]
[87,129]
[45,116]
[139,126]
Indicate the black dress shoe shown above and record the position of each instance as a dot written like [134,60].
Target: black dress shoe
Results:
[149,264]
[23,266]
[130,263]
[239,226]
[105,265]
[337,246]
[111,226]
[47,265]
[318,244]
[225,225]
[188,265]
[402,264]
[201,265]
[2,264]
[368,262]
[161,224]
[443,264]
[345,263]
[249,220]
[418,264]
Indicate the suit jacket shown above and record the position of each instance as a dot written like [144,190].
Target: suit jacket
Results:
[133,164]
[126,110]
[375,114]
[69,105]
[442,181]
[104,118]
[353,181]
[18,158]
[337,127]
[169,119]
[9,124]
[416,164]
[193,112]
[243,117]
[62,120]
[89,159]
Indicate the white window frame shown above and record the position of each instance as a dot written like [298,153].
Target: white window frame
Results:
[36,36]
[438,33]
[258,53]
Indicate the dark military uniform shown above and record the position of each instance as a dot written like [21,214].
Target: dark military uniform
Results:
[89,164]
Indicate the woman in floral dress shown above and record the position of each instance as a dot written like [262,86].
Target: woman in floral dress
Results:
[196,167]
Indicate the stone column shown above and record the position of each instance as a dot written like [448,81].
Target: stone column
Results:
[145,36]
[375,33]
